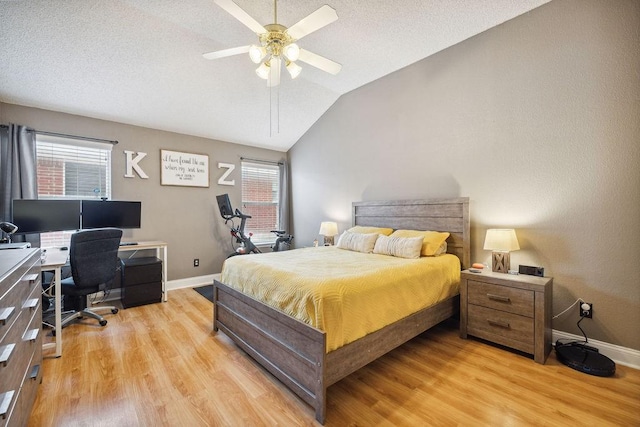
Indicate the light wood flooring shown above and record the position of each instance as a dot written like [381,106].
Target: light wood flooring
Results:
[161,365]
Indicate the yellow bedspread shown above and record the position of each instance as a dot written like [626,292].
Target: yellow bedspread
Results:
[346,294]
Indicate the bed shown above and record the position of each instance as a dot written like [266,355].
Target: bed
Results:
[297,353]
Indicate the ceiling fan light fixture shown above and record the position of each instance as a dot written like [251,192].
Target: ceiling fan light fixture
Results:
[263,70]
[292,52]
[293,69]
[256,53]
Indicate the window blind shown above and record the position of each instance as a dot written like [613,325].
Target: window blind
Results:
[69,168]
[260,200]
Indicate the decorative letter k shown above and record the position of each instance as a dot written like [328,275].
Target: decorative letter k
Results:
[132,164]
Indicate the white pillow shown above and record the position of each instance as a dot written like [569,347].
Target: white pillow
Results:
[357,242]
[402,247]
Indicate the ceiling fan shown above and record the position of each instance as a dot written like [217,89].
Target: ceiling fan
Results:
[277,43]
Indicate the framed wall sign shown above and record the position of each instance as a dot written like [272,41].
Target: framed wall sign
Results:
[184,169]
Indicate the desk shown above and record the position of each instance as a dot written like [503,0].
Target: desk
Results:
[56,259]
[161,252]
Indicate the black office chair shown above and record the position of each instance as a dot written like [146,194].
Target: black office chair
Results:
[93,255]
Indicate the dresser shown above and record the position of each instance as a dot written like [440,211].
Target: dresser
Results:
[20,334]
[510,310]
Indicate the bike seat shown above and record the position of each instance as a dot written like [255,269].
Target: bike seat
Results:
[278,231]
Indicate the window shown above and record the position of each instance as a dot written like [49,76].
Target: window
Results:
[261,200]
[70,168]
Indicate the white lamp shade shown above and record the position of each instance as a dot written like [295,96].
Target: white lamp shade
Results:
[292,52]
[293,69]
[256,53]
[328,228]
[503,240]
[263,71]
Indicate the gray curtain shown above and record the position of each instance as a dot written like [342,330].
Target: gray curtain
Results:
[284,196]
[18,178]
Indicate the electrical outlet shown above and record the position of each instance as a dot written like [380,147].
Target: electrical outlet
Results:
[196,262]
[586,310]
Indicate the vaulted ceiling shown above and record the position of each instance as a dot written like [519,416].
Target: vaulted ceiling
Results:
[140,61]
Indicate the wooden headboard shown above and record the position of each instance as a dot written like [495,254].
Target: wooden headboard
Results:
[450,215]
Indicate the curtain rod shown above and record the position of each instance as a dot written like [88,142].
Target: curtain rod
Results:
[64,135]
[262,161]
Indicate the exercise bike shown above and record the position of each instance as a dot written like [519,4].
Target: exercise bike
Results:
[283,241]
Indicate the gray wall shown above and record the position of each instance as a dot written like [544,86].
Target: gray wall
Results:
[537,121]
[187,218]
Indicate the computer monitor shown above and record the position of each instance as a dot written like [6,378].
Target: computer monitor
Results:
[111,213]
[224,204]
[45,215]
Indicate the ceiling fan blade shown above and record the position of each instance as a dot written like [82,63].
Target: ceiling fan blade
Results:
[274,72]
[241,15]
[226,52]
[314,21]
[319,62]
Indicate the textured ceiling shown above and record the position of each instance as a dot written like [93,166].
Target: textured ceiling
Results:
[140,61]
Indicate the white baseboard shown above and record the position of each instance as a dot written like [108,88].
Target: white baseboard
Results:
[620,355]
[192,282]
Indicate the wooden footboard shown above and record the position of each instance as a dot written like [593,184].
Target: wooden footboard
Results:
[294,352]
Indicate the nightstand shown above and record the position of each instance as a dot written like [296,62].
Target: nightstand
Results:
[511,310]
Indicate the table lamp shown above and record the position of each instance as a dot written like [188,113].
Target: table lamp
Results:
[501,242]
[328,229]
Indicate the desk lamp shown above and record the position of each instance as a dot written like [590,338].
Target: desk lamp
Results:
[501,242]
[328,229]
[7,228]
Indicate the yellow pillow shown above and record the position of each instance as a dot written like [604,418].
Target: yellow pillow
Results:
[368,230]
[432,240]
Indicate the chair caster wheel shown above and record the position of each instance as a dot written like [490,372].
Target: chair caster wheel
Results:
[114,310]
[103,323]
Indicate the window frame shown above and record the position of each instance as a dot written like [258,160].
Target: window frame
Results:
[266,173]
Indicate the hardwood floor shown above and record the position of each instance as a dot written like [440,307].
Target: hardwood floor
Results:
[161,364]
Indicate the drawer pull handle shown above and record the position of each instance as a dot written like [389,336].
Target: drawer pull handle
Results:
[5,314]
[31,278]
[31,303]
[500,298]
[31,335]
[34,372]
[5,353]
[499,324]
[5,403]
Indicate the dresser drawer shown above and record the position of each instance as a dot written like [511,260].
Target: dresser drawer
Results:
[27,396]
[504,298]
[504,328]
[10,273]
[24,287]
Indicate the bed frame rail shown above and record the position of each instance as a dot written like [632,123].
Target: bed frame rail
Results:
[291,350]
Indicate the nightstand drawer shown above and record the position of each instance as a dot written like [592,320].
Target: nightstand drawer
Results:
[501,327]
[504,298]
